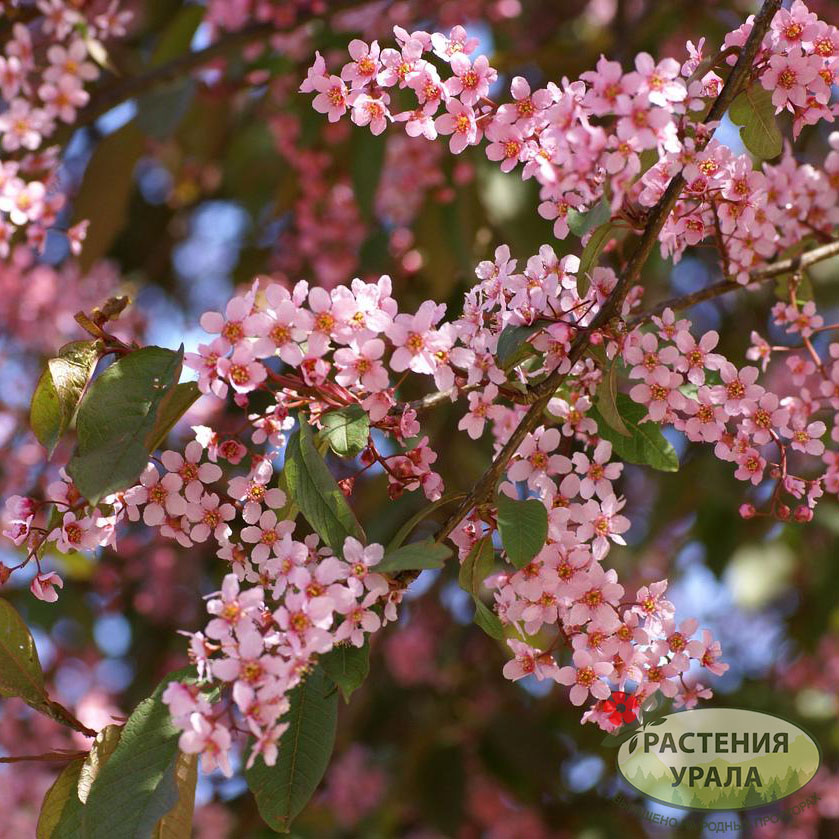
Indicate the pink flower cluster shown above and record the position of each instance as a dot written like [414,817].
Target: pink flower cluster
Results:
[44,67]
[261,641]
[614,137]
[685,384]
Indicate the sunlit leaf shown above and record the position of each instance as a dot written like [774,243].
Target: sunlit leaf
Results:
[754,111]
[20,668]
[346,429]
[61,805]
[646,445]
[118,424]
[59,389]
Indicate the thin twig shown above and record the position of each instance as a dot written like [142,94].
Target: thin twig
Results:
[542,393]
[47,756]
[768,272]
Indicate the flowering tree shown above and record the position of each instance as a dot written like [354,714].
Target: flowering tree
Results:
[309,409]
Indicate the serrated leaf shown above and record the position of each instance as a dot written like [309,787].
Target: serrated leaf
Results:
[20,668]
[477,566]
[512,342]
[646,445]
[137,786]
[605,400]
[283,790]
[754,111]
[59,389]
[346,430]
[314,490]
[60,804]
[579,223]
[118,420]
[488,621]
[347,666]
[416,556]
[523,526]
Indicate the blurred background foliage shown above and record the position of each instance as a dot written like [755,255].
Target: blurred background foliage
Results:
[198,185]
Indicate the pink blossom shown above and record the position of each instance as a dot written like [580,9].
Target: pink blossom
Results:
[459,121]
[365,64]
[186,467]
[44,586]
[362,365]
[788,77]
[529,661]
[586,676]
[242,370]
[332,97]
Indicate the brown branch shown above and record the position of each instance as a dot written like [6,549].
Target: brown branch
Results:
[111,94]
[118,91]
[542,393]
[768,272]
[47,756]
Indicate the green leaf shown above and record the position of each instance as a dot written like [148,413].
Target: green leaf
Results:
[175,403]
[177,823]
[512,346]
[177,36]
[580,223]
[347,666]
[137,786]
[367,154]
[63,818]
[523,526]
[59,389]
[61,804]
[118,423]
[106,190]
[488,621]
[283,790]
[405,531]
[754,111]
[477,566]
[414,557]
[346,430]
[591,253]
[311,485]
[646,445]
[605,400]
[20,668]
